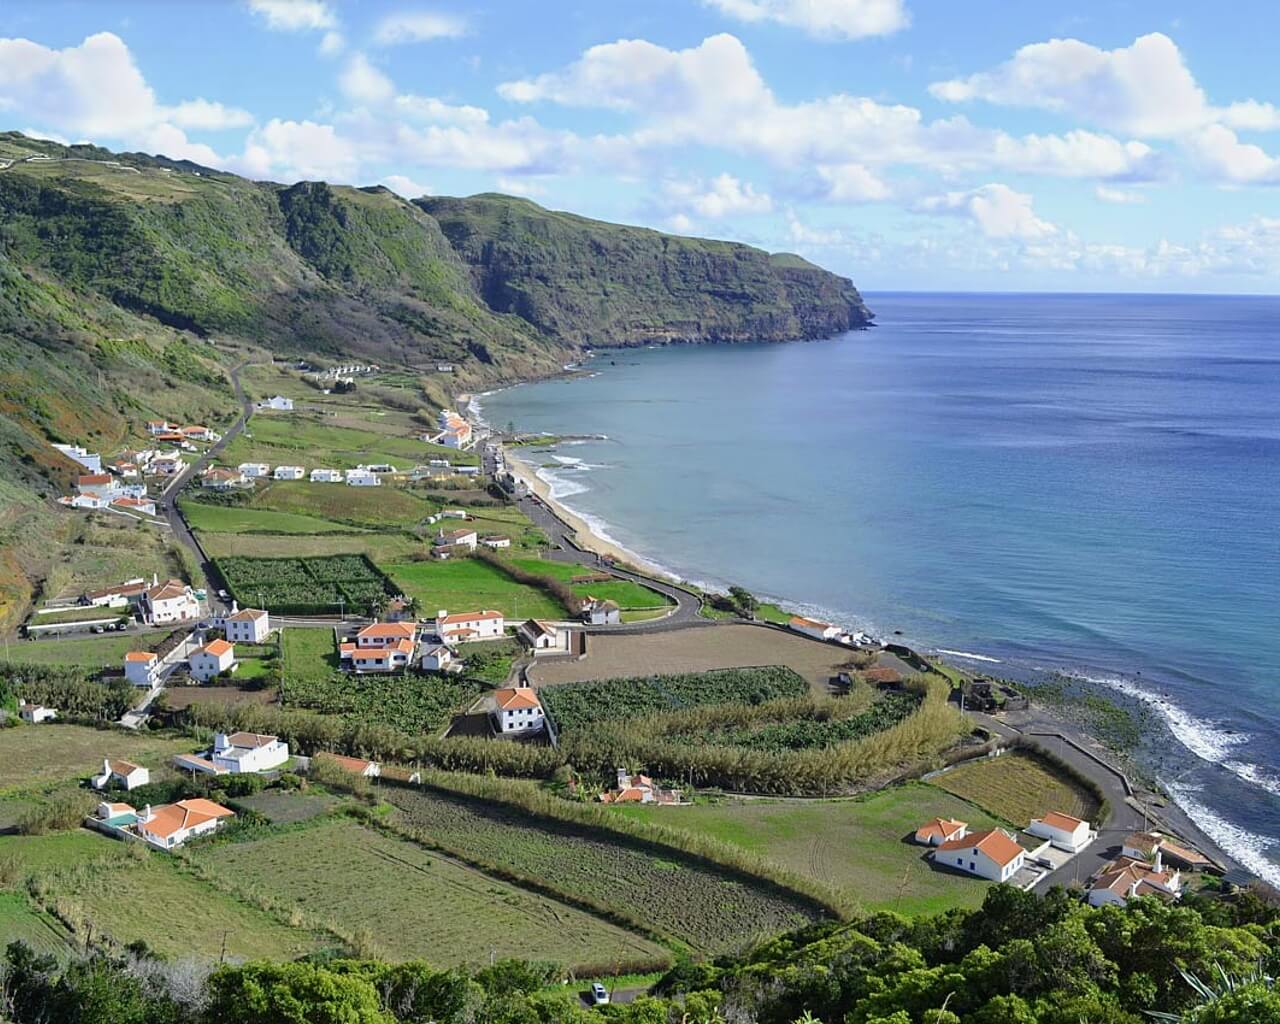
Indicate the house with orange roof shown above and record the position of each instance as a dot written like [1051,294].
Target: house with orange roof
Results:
[142,668]
[992,854]
[170,601]
[465,626]
[638,789]
[385,634]
[814,628]
[515,710]
[455,538]
[212,660]
[1126,878]
[939,831]
[1063,831]
[118,772]
[244,625]
[157,427]
[391,657]
[102,485]
[170,825]
[127,504]
[354,765]
[1145,845]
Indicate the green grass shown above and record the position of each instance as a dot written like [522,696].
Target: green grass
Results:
[303,439]
[467,584]
[855,845]
[54,850]
[627,594]
[1017,787]
[40,754]
[414,903]
[251,668]
[22,921]
[76,614]
[379,546]
[89,652]
[235,519]
[285,808]
[378,507]
[308,653]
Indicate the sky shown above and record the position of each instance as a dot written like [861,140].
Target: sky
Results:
[908,144]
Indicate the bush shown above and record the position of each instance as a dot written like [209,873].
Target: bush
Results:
[61,813]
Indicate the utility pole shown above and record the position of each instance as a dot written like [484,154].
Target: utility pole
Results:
[222,958]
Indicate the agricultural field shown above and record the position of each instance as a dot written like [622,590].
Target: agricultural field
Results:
[305,586]
[575,707]
[289,808]
[627,594]
[413,903]
[410,702]
[708,908]
[808,732]
[86,651]
[38,754]
[1017,787]
[33,854]
[132,893]
[697,650]
[465,584]
[304,439]
[21,921]
[861,846]
[178,697]
[378,546]
[371,507]
[241,519]
[308,653]
[500,520]
[103,548]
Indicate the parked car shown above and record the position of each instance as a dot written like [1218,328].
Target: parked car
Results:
[599,995]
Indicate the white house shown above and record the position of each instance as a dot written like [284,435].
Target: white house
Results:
[455,430]
[220,478]
[142,668]
[121,773]
[289,472]
[516,710]
[464,626]
[171,601]
[385,634]
[437,657]
[245,625]
[455,538]
[144,505]
[496,543]
[939,831]
[278,403]
[248,752]
[387,658]
[1126,878]
[325,476]
[166,465]
[254,469]
[36,713]
[156,427]
[361,477]
[1063,831]
[638,789]
[543,637]
[104,485]
[453,513]
[992,854]
[129,592]
[814,628]
[171,825]
[212,659]
[596,612]
[90,461]
[87,501]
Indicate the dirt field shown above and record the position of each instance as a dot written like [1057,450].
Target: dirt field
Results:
[184,696]
[695,650]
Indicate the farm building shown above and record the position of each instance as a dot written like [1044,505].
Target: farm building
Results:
[125,774]
[465,626]
[992,854]
[142,668]
[171,825]
[939,831]
[516,710]
[543,637]
[213,659]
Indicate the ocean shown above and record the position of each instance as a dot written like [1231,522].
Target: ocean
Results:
[1031,483]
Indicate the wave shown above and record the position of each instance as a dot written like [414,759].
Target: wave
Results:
[1255,774]
[560,487]
[1204,739]
[1244,847]
[968,655]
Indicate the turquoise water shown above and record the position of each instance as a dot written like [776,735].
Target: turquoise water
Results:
[1078,483]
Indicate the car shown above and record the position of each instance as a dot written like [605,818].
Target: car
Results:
[97,629]
[599,995]
[223,594]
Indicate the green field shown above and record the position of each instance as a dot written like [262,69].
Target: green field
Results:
[628,595]
[34,755]
[689,900]
[86,651]
[467,584]
[414,903]
[236,519]
[380,546]
[33,854]
[21,921]
[859,846]
[303,439]
[306,586]
[1017,787]
[308,653]
[375,507]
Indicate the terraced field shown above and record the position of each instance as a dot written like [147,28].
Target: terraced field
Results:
[706,907]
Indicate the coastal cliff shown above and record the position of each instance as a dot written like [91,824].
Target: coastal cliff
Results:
[597,284]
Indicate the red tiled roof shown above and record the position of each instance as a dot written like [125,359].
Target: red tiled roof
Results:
[943,828]
[1056,819]
[217,648]
[994,843]
[185,814]
[389,630]
[509,698]
[449,620]
[147,656]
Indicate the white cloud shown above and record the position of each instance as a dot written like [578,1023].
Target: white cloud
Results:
[293,150]
[407,188]
[362,82]
[332,44]
[825,19]
[428,108]
[418,27]
[1119,196]
[808,237]
[723,196]
[852,183]
[998,210]
[294,15]
[202,114]
[1218,152]
[680,223]
[1077,154]
[519,187]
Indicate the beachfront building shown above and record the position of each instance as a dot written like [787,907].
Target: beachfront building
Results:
[992,854]
[142,668]
[814,628]
[467,626]
[212,660]
[171,825]
[597,612]
[939,831]
[117,772]
[1127,878]
[516,709]
[1063,831]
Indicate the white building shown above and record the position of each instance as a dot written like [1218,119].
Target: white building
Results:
[277,403]
[289,472]
[104,485]
[496,543]
[1063,831]
[1126,878]
[381,647]
[116,772]
[326,476]
[464,626]
[212,660]
[171,601]
[361,477]
[596,612]
[992,854]
[245,625]
[171,825]
[516,710]
[254,469]
[455,430]
[220,478]
[156,427]
[543,637]
[940,830]
[437,657]
[455,538]
[166,465]
[90,461]
[36,713]
[814,628]
[142,668]
[248,752]
[145,506]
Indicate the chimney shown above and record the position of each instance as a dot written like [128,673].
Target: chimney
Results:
[220,742]
[1159,864]
[155,579]
[1133,889]
[623,778]
[235,606]
[146,814]
[442,614]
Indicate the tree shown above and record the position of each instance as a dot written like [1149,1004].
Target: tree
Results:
[292,993]
[744,601]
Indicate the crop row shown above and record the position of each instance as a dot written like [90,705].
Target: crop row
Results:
[810,733]
[305,585]
[410,703]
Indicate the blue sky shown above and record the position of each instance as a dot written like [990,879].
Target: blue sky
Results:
[907,144]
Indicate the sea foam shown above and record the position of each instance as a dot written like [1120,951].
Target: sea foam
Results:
[1243,846]
[969,656]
